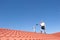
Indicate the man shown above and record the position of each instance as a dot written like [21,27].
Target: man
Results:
[42,24]
[34,28]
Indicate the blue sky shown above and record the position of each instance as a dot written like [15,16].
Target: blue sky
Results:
[24,14]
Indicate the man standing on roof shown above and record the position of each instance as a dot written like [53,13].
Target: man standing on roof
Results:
[42,24]
[34,28]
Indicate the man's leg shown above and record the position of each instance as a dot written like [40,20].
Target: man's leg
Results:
[41,31]
[44,31]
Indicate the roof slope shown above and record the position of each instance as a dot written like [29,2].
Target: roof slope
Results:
[6,34]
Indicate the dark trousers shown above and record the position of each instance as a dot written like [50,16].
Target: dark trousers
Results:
[43,27]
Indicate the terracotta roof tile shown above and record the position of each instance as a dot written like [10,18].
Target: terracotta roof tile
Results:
[6,34]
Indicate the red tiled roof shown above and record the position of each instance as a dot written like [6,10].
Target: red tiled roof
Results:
[6,34]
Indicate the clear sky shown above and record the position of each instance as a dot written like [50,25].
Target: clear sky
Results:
[24,14]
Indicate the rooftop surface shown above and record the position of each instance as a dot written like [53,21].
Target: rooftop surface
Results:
[7,34]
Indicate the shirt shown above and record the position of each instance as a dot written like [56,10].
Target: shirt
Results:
[42,24]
